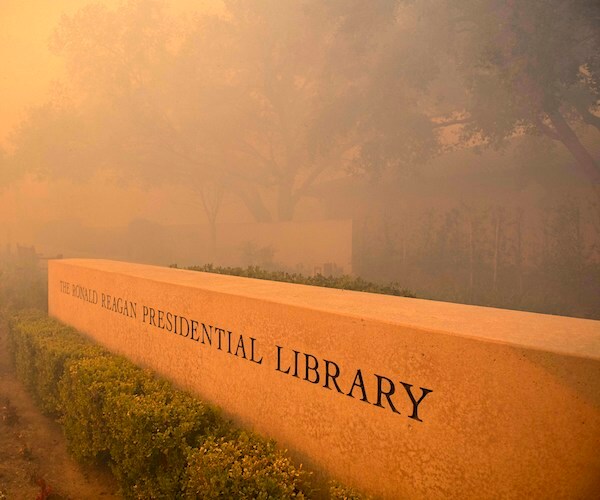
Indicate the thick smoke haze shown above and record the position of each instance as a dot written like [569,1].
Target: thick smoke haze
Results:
[452,147]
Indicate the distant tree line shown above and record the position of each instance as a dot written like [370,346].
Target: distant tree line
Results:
[490,255]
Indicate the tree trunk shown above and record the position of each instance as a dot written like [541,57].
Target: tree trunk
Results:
[578,243]
[255,205]
[471,258]
[212,196]
[520,253]
[587,165]
[496,252]
[213,240]
[286,201]
[546,253]
[404,249]
[586,116]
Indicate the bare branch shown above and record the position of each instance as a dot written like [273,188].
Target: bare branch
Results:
[590,118]
[309,180]
[246,147]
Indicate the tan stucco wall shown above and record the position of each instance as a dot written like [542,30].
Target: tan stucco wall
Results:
[514,410]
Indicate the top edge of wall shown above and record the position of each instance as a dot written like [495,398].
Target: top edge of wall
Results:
[558,334]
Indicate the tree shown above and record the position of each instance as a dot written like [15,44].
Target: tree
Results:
[488,70]
[383,79]
[534,66]
[273,55]
[526,67]
[244,101]
[266,99]
[56,142]
[118,110]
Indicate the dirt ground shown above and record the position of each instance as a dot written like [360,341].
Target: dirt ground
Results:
[34,462]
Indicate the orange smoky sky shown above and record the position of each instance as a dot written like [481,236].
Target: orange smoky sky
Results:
[28,66]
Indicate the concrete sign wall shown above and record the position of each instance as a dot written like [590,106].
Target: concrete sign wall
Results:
[402,398]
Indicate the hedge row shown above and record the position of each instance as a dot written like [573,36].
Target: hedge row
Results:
[344,282]
[159,442]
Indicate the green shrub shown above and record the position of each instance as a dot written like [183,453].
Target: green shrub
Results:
[22,331]
[242,466]
[86,391]
[338,491]
[150,434]
[41,349]
[54,356]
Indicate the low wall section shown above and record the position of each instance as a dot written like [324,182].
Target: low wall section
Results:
[402,398]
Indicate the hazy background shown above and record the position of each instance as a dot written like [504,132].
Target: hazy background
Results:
[452,147]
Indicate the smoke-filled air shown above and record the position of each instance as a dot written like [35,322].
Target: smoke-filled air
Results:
[451,148]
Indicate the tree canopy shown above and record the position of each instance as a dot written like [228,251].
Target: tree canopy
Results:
[532,67]
[264,100]
[491,69]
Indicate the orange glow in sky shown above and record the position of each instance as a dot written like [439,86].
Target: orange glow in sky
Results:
[28,66]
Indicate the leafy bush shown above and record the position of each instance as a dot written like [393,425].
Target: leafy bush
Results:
[243,466]
[150,434]
[86,390]
[338,491]
[41,349]
[344,282]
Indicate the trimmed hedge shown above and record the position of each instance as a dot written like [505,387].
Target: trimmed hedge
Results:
[158,441]
[86,389]
[41,348]
[242,467]
[151,434]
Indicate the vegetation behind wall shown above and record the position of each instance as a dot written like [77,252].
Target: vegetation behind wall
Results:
[344,282]
[506,256]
